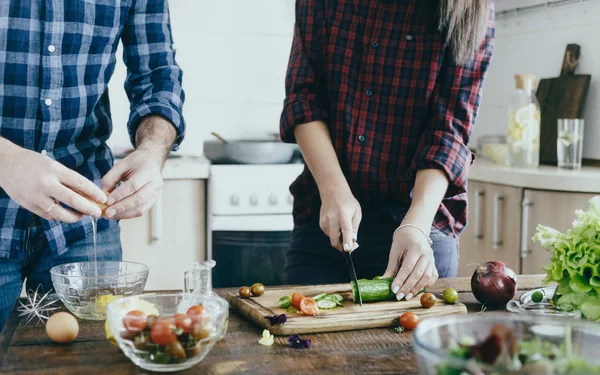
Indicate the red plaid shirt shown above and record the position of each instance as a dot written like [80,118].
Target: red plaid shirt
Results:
[379,74]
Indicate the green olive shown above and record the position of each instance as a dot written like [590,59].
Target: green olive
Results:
[537,296]
[450,296]
[257,290]
[175,350]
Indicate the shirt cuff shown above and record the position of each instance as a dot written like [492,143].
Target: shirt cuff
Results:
[174,116]
[444,151]
[298,111]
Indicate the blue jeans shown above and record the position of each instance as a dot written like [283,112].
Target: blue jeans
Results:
[34,264]
[311,259]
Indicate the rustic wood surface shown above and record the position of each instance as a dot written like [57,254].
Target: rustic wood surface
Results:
[350,317]
[25,349]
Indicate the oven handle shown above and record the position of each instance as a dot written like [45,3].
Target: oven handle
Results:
[252,223]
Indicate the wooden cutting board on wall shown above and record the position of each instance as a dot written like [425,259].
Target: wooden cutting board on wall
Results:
[349,317]
[561,97]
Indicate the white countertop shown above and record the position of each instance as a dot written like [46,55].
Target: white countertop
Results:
[186,168]
[586,180]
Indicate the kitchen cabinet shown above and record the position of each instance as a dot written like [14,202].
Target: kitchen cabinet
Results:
[171,236]
[550,208]
[493,226]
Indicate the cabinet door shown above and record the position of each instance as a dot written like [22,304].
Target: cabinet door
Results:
[493,227]
[553,209]
[171,236]
[473,237]
[503,225]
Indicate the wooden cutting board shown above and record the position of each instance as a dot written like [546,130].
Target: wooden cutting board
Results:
[561,97]
[349,317]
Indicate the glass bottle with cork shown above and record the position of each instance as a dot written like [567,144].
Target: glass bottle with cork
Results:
[524,125]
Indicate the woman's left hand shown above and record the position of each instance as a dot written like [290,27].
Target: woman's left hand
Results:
[411,263]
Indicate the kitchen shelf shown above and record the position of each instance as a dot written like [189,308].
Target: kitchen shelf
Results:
[546,5]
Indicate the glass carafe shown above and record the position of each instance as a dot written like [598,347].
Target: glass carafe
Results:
[197,280]
[524,125]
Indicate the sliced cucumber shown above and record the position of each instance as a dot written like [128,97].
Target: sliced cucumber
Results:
[319,297]
[337,298]
[326,304]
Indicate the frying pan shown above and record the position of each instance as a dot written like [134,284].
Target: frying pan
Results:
[248,151]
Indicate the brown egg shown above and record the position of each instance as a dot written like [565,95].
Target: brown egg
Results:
[62,327]
[102,207]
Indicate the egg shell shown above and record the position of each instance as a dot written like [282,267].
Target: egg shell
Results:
[62,327]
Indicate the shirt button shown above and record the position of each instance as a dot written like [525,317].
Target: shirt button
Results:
[48,102]
[361,138]
[409,37]
[369,92]
[51,48]
[374,44]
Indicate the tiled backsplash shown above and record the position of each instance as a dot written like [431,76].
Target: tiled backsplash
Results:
[534,42]
[234,54]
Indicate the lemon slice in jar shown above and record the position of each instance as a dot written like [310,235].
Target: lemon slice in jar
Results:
[525,116]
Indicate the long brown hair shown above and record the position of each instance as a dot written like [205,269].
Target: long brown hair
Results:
[465,24]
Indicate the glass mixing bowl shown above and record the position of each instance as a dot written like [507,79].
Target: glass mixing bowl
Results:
[86,288]
[436,338]
[164,343]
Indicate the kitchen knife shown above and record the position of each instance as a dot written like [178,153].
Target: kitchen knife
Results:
[353,277]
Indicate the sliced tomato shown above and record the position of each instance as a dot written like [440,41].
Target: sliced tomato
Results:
[297,299]
[309,306]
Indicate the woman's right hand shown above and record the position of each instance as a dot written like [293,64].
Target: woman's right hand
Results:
[38,184]
[340,213]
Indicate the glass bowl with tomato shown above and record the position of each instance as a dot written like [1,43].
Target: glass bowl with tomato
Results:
[167,332]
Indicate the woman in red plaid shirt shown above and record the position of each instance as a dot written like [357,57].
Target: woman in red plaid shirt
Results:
[381,98]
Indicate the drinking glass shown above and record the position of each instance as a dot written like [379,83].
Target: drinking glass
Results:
[569,144]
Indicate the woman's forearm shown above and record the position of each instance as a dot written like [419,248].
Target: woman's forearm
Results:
[430,188]
[315,143]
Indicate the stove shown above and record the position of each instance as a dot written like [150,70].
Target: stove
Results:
[249,222]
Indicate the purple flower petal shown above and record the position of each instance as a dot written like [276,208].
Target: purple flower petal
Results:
[277,319]
[297,342]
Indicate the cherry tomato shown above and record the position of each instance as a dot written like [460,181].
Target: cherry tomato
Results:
[427,300]
[161,332]
[200,331]
[175,350]
[297,299]
[244,292]
[135,321]
[195,310]
[409,320]
[257,290]
[450,296]
[183,322]
[309,306]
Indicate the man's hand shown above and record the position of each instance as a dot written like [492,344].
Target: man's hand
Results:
[39,184]
[140,173]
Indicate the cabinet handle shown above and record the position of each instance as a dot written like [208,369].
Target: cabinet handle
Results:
[156,220]
[477,221]
[525,205]
[496,241]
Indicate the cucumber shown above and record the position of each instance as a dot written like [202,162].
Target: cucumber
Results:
[326,304]
[374,290]
[319,297]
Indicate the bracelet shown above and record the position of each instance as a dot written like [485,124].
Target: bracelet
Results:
[416,227]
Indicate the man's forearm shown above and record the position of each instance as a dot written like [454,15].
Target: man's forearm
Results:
[157,134]
[315,143]
[430,188]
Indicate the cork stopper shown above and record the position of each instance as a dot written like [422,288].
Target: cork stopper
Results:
[525,81]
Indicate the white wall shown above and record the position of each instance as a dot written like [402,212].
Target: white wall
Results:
[534,42]
[234,55]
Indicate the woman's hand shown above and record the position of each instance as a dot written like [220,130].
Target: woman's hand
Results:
[341,213]
[411,263]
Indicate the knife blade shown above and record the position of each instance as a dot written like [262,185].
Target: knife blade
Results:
[353,277]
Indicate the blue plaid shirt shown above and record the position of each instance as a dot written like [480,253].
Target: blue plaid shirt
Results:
[56,58]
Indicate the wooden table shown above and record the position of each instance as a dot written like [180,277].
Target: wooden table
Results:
[25,349]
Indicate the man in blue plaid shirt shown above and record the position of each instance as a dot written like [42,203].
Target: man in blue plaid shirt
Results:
[56,58]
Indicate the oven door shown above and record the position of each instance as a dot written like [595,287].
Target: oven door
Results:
[249,249]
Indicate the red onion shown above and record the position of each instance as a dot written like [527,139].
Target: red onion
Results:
[493,284]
